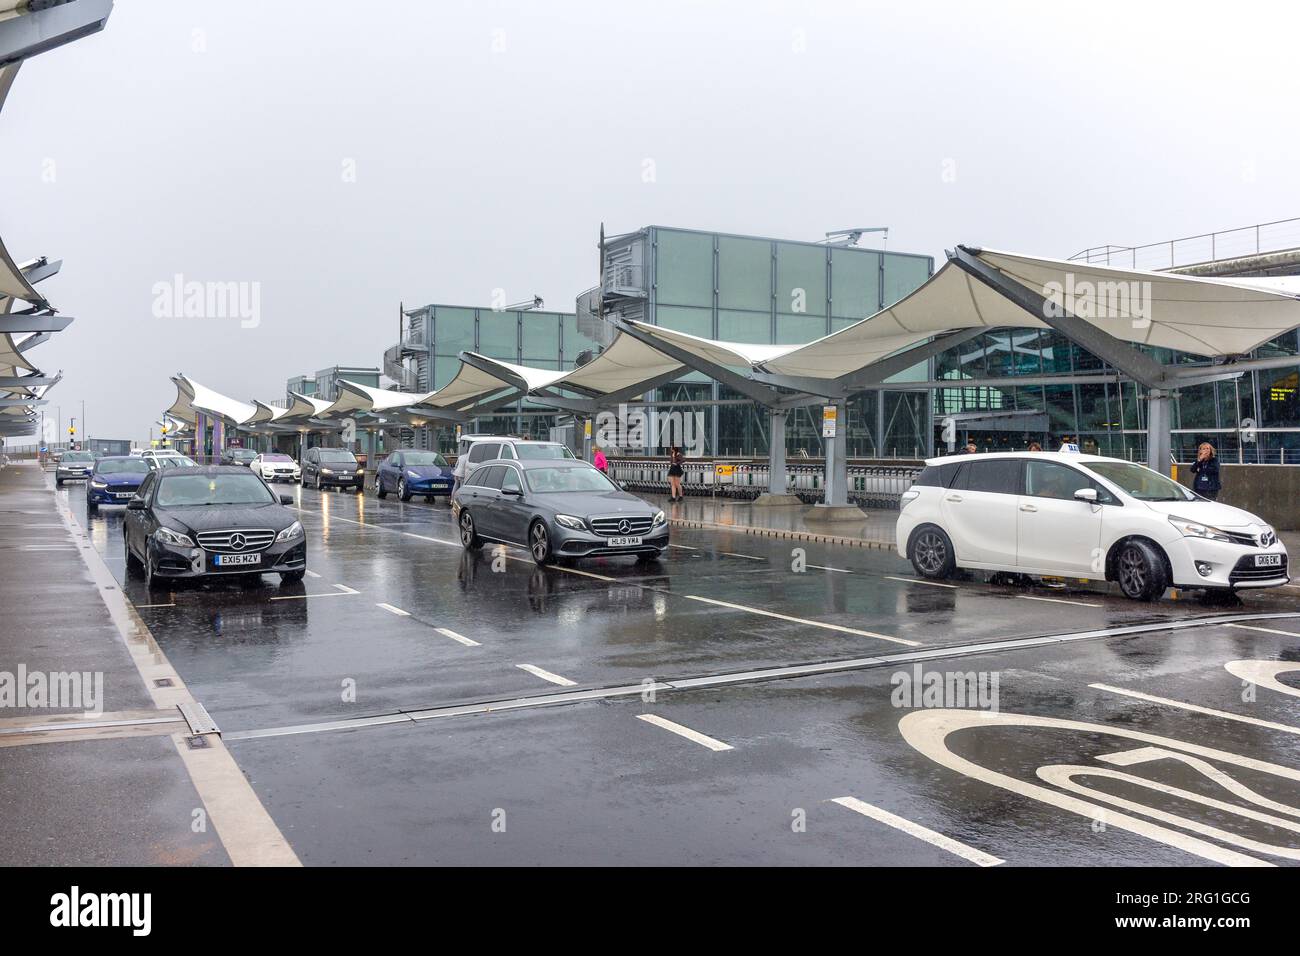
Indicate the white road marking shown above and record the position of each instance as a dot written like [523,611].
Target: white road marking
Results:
[803,620]
[933,584]
[1266,630]
[547,675]
[459,638]
[969,853]
[747,557]
[1196,708]
[679,730]
[422,537]
[138,606]
[1030,597]
[343,591]
[394,610]
[1265,674]
[683,547]
[312,574]
[821,567]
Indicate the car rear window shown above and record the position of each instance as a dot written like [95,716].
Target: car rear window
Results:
[937,475]
[484,451]
[997,475]
[535,452]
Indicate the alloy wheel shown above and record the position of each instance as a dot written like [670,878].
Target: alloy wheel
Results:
[466,529]
[1132,571]
[931,552]
[540,543]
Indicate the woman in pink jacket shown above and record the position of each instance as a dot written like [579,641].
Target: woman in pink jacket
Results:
[599,461]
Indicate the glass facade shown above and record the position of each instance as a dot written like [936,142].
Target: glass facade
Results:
[756,290]
[1254,418]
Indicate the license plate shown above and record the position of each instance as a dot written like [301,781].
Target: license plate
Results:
[624,542]
[1268,560]
[128,494]
[229,560]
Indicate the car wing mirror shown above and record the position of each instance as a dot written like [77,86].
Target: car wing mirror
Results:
[135,504]
[516,492]
[1087,494]
[286,499]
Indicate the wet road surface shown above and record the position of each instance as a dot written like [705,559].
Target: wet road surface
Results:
[396,621]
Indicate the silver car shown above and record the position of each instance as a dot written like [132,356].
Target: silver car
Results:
[556,509]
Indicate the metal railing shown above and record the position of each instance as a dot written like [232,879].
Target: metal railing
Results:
[1195,250]
[870,484]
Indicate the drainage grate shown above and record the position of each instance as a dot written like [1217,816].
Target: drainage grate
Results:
[197,743]
[163,682]
[196,715]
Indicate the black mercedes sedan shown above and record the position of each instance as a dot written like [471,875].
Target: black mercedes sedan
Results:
[208,521]
[556,509]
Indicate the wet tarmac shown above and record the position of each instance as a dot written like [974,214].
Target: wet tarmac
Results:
[396,621]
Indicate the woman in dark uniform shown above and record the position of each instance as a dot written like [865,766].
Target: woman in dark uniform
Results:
[675,472]
[1206,470]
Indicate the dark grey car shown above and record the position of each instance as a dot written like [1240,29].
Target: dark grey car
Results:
[556,509]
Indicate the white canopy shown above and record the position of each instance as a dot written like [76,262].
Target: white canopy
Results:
[355,398]
[192,398]
[624,363]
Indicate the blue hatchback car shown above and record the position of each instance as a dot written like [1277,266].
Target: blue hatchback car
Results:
[114,481]
[408,473]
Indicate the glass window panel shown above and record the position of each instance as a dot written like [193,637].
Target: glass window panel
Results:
[798,329]
[800,279]
[444,370]
[684,262]
[498,335]
[574,340]
[691,321]
[541,335]
[744,274]
[1278,391]
[453,331]
[855,283]
[744,326]
[906,425]
[903,274]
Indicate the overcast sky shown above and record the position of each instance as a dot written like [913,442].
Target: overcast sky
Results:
[347,156]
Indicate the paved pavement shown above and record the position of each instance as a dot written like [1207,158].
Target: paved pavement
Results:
[746,700]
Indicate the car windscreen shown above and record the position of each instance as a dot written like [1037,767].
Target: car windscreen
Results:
[78,456]
[179,491]
[276,458]
[174,461]
[548,480]
[542,452]
[247,453]
[1139,482]
[123,466]
[424,458]
[336,457]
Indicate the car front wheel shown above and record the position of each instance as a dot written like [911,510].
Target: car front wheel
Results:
[290,577]
[402,491]
[539,543]
[1140,572]
[132,562]
[932,554]
[380,490]
[469,538]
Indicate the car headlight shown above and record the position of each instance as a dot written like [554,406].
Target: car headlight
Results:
[660,518]
[411,474]
[569,521]
[168,536]
[1194,529]
[362,471]
[99,484]
[326,471]
[290,533]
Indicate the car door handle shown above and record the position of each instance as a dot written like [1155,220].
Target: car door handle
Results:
[1028,508]
[953,498]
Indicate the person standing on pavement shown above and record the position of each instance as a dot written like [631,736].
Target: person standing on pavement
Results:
[1206,470]
[600,462]
[675,472]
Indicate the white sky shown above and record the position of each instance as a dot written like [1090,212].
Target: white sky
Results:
[1067,125]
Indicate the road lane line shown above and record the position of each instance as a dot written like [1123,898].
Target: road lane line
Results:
[1195,708]
[394,610]
[140,606]
[343,591]
[1029,597]
[802,620]
[821,567]
[933,584]
[683,547]
[955,847]
[1266,630]
[312,574]
[679,730]
[459,638]
[747,557]
[547,675]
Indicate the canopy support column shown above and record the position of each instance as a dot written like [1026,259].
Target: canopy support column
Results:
[778,492]
[835,506]
[1159,425]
